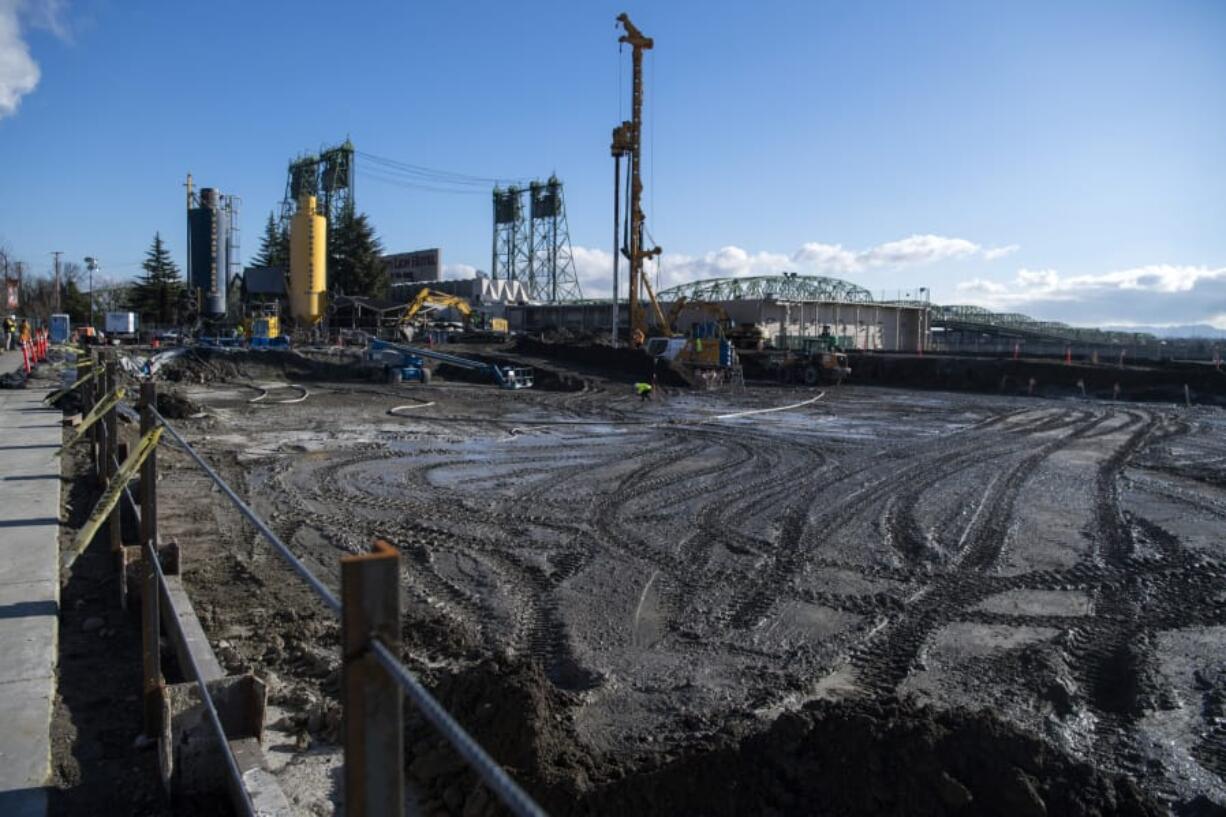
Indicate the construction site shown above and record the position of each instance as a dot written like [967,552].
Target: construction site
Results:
[761,544]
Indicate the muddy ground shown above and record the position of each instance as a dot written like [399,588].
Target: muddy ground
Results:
[877,601]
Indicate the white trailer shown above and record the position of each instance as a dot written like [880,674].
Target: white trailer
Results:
[121,325]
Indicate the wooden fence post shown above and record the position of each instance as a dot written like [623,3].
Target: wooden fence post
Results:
[373,701]
[150,618]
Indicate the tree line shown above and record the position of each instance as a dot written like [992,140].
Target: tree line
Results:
[161,296]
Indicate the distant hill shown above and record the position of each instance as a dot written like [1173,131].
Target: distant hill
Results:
[1189,330]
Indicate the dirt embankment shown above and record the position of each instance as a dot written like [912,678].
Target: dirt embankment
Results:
[620,364]
[213,366]
[1163,382]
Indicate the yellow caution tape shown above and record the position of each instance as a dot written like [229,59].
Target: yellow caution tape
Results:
[110,498]
[51,398]
[94,416]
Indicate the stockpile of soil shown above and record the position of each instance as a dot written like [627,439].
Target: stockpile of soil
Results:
[845,758]
[174,406]
[219,366]
[887,759]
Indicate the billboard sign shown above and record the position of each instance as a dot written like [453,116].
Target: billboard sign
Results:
[415,267]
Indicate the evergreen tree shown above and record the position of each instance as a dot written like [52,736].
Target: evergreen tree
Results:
[73,300]
[355,262]
[159,294]
[274,246]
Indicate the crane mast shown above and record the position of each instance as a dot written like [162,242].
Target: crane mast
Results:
[627,141]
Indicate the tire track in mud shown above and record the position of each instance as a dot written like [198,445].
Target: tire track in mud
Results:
[790,553]
[1114,657]
[883,659]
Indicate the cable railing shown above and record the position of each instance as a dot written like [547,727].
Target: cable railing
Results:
[375,682]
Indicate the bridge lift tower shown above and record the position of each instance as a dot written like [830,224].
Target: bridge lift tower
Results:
[328,176]
[551,265]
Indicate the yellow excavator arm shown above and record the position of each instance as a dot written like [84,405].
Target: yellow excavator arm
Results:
[434,298]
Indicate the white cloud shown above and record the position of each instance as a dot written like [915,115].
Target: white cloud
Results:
[911,251]
[456,271]
[918,249]
[976,285]
[830,257]
[1000,252]
[19,73]
[1158,294]
[1043,278]
[595,267]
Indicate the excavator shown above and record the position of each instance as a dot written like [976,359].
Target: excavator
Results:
[434,298]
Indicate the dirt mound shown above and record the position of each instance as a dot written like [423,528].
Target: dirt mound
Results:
[219,366]
[174,406]
[518,717]
[864,759]
[844,758]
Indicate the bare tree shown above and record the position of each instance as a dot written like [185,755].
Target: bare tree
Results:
[112,295]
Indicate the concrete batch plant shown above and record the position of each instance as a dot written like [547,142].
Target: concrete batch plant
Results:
[213,256]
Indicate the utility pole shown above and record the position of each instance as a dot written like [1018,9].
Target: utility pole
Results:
[57,254]
[187,265]
[627,141]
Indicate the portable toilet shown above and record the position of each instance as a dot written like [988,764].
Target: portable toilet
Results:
[61,328]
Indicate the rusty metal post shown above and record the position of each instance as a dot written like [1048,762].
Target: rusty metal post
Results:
[373,701]
[150,614]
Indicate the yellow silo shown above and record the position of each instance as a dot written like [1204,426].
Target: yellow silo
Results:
[308,259]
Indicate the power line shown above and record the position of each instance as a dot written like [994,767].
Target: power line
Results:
[409,185]
[430,174]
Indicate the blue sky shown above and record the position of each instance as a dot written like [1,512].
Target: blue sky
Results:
[1062,159]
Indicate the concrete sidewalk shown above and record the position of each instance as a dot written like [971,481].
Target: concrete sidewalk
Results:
[29,593]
